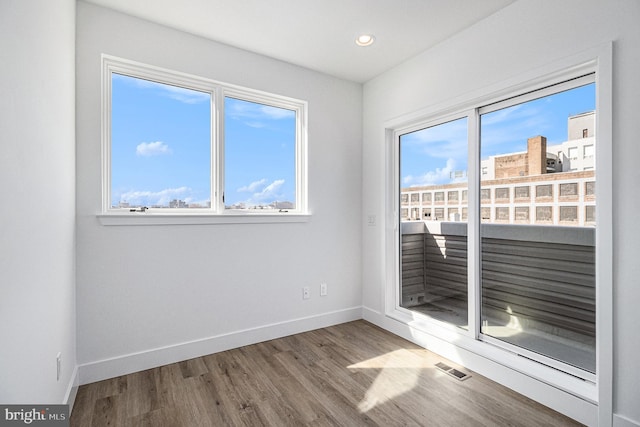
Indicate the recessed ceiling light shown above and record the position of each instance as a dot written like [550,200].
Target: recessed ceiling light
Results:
[365,40]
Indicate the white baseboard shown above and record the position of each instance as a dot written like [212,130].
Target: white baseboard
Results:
[134,362]
[72,390]
[548,395]
[620,421]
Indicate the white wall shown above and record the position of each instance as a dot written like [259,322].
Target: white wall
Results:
[153,294]
[524,36]
[37,187]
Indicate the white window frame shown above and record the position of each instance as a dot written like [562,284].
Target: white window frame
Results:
[218,92]
[583,399]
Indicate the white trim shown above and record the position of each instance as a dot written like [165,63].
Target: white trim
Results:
[540,358]
[569,81]
[134,362]
[547,394]
[604,234]
[390,297]
[217,91]
[474,250]
[72,389]
[535,369]
[536,78]
[198,218]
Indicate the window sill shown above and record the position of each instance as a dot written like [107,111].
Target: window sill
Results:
[134,218]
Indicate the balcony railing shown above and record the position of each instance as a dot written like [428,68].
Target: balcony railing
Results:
[543,277]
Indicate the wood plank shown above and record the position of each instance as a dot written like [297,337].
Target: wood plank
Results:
[351,374]
[142,393]
[108,411]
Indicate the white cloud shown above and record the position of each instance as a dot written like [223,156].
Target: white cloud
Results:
[507,130]
[276,113]
[157,198]
[147,149]
[263,193]
[254,124]
[433,177]
[256,115]
[270,191]
[187,96]
[253,186]
[444,141]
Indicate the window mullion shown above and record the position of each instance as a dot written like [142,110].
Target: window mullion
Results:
[473,225]
[217,151]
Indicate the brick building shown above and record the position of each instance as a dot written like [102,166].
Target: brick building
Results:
[551,185]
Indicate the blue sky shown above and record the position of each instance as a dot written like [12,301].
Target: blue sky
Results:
[161,147]
[259,153]
[429,156]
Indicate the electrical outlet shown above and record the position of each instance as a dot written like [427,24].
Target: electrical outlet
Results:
[306,292]
[58,366]
[371,220]
[323,289]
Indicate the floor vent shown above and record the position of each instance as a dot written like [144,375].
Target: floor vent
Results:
[452,371]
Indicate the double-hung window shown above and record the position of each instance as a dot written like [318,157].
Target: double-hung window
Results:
[180,144]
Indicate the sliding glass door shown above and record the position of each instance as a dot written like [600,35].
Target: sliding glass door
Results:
[433,214]
[538,173]
[533,211]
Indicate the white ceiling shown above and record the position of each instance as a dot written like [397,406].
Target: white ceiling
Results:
[319,34]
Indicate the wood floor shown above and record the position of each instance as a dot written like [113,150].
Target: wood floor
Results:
[347,375]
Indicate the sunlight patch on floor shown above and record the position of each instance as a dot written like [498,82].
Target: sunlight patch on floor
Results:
[399,373]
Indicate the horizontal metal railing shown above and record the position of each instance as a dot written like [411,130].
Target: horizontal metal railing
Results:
[543,275]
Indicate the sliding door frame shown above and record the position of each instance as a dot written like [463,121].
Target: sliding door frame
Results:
[597,389]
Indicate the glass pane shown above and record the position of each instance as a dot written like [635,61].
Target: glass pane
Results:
[160,145]
[538,226]
[260,156]
[434,211]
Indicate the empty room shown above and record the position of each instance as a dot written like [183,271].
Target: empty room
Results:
[335,212]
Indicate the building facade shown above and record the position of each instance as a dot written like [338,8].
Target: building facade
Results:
[547,185]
